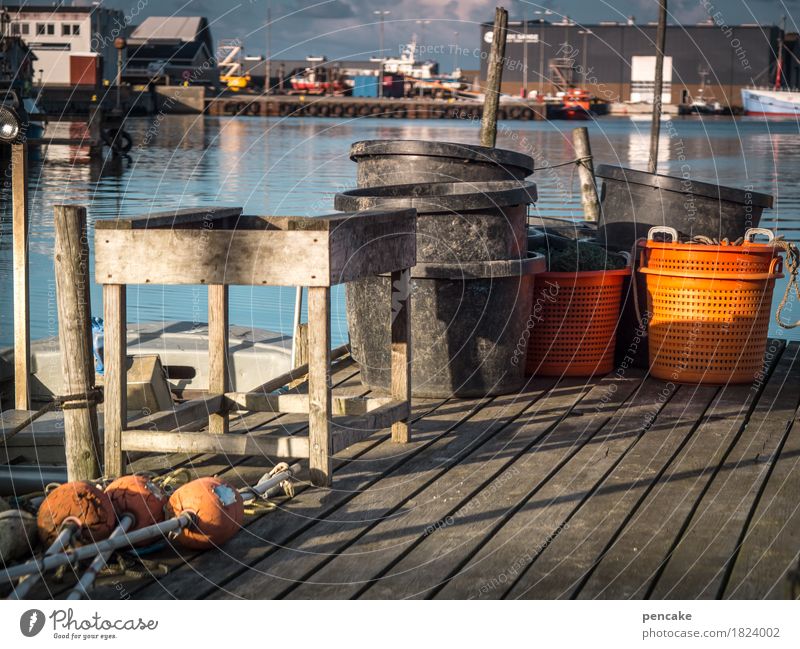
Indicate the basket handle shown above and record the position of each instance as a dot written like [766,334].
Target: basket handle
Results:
[663,229]
[751,233]
[776,265]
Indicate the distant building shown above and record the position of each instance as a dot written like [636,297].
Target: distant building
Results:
[171,50]
[73,45]
[17,65]
[611,59]
[281,70]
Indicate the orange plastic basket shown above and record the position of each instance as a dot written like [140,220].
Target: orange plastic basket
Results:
[573,323]
[709,308]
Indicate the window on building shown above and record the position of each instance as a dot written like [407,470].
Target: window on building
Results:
[70,30]
[45,29]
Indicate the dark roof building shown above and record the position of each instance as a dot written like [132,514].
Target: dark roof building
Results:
[612,59]
[173,50]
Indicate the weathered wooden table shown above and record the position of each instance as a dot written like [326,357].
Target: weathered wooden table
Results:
[219,247]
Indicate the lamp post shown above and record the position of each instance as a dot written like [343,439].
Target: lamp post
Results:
[455,51]
[525,56]
[546,12]
[119,43]
[12,131]
[585,33]
[381,15]
[268,59]
[422,24]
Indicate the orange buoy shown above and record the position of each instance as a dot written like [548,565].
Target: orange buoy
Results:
[82,501]
[219,511]
[139,497]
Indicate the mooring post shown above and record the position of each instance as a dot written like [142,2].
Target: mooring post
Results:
[22,323]
[494,76]
[583,151]
[95,131]
[655,125]
[81,436]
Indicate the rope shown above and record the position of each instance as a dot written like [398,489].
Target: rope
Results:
[577,161]
[792,263]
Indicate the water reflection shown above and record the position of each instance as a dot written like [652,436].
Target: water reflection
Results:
[293,166]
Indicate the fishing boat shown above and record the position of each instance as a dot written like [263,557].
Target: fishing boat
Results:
[776,101]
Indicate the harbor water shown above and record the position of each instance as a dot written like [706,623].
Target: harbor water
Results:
[294,166]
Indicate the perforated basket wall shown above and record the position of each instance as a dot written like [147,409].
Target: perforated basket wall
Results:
[573,323]
[709,310]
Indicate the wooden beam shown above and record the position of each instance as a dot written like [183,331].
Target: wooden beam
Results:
[400,300]
[71,262]
[319,387]
[156,441]
[218,352]
[181,415]
[299,403]
[13,421]
[348,433]
[115,378]
[171,218]
[269,258]
[295,374]
[22,326]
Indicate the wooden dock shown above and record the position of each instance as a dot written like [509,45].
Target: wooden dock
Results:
[615,487]
[359,107]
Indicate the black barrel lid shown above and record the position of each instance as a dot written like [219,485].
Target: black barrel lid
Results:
[466,152]
[683,185]
[429,198]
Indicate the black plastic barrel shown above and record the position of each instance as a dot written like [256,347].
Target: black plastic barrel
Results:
[634,201]
[471,289]
[399,162]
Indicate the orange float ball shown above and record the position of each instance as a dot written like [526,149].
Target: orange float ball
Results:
[140,497]
[81,500]
[219,511]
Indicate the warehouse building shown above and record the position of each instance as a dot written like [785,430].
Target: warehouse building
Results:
[73,46]
[616,61]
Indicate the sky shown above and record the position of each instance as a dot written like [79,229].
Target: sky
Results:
[349,28]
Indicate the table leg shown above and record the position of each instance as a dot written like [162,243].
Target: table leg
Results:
[115,380]
[319,388]
[218,352]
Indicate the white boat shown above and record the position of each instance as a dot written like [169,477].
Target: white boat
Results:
[771,102]
[255,356]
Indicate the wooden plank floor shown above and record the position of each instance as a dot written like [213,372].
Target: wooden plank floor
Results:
[616,487]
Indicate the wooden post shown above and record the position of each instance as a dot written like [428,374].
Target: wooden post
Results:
[300,351]
[583,150]
[494,76]
[319,388]
[81,437]
[115,379]
[401,347]
[655,125]
[95,128]
[218,351]
[22,324]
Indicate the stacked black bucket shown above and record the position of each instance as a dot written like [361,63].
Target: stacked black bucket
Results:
[472,286]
